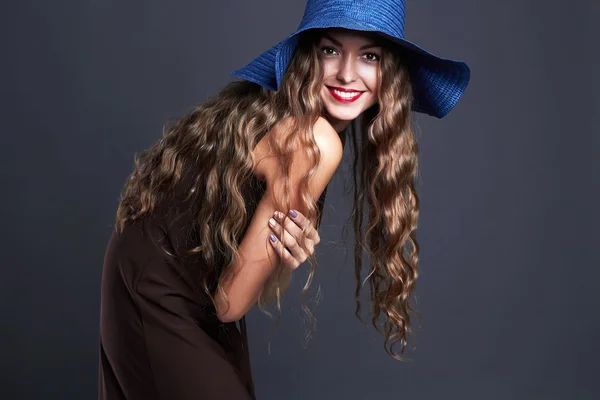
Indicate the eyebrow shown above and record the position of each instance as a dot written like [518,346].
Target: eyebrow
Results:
[337,43]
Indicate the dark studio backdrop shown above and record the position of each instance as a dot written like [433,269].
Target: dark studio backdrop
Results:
[510,264]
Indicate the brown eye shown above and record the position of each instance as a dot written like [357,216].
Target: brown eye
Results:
[328,50]
[372,57]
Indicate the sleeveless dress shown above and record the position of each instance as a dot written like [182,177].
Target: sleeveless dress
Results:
[160,337]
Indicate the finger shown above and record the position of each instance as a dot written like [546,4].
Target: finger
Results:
[289,225]
[286,258]
[290,242]
[305,224]
[296,231]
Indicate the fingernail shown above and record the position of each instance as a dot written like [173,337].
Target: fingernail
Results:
[293,213]
[273,238]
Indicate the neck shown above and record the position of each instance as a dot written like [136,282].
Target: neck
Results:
[339,125]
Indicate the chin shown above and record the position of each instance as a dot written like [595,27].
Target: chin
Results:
[346,112]
[345,115]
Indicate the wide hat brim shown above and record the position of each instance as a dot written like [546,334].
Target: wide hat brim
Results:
[438,83]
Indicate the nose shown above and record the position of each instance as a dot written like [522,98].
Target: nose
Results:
[347,70]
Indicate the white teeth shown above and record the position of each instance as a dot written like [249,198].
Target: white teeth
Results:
[346,95]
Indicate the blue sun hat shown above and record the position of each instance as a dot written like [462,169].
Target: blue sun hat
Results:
[437,83]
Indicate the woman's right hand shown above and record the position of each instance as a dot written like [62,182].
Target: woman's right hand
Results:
[290,251]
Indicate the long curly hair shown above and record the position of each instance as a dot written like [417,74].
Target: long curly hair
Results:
[211,146]
[384,172]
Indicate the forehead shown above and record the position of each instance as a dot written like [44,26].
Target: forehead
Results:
[349,35]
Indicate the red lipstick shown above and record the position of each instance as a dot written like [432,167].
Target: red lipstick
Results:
[347,98]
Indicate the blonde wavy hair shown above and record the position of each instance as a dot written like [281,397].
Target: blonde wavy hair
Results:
[212,145]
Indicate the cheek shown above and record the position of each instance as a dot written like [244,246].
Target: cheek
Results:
[329,68]
[369,74]
[374,87]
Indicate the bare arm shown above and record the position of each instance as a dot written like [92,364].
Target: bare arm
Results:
[282,278]
[260,259]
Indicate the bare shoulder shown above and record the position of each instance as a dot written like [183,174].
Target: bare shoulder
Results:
[327,139]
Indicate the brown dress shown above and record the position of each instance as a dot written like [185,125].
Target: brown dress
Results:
[159,334]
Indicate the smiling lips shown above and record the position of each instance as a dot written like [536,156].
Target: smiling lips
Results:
[344,95]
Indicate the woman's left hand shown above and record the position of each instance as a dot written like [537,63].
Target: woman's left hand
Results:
[290,250]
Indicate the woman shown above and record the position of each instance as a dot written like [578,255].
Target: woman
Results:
[218,212]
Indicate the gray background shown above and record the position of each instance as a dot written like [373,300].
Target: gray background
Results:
[508,182]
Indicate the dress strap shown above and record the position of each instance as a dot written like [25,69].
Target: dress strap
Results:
[244,332]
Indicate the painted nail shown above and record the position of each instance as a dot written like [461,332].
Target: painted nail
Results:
[273,238]
[293,213]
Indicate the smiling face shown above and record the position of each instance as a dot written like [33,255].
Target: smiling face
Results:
[349,60]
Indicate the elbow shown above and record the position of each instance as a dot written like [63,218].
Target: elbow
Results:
[229,316]
[228,311]
[231,306]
